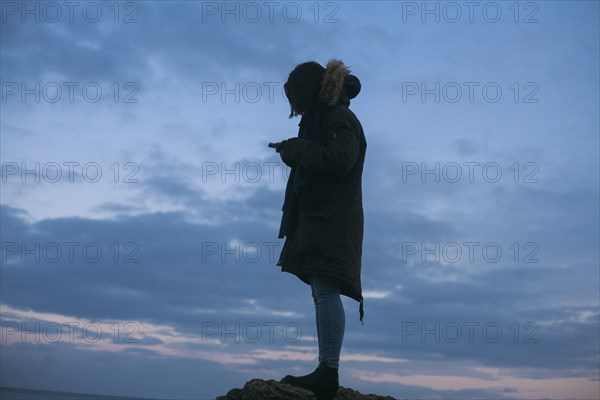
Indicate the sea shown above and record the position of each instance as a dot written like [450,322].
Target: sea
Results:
[28,394]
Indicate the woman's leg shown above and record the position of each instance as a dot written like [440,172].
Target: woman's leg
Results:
[324,381]
[330,318]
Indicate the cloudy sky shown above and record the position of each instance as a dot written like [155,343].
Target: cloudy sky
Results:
[140,204]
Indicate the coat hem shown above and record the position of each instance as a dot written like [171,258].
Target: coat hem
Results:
[305,277]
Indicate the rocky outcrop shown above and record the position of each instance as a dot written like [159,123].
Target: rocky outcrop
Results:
[258,389]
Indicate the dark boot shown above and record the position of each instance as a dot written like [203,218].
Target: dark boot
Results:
[323,382]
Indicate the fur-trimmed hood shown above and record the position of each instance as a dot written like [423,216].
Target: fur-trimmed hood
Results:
[339,85]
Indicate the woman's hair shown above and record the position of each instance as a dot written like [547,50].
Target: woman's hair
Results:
[303,86]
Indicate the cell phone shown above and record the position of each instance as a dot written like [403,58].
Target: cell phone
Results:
[274,145]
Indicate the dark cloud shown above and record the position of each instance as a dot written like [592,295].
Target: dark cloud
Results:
[190,49]
[172,278]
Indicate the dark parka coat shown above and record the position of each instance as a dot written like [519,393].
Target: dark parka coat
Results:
[322,211]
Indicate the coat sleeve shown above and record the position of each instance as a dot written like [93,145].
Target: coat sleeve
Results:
[287,161]
[335,159]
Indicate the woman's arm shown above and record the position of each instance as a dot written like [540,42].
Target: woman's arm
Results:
[335,159]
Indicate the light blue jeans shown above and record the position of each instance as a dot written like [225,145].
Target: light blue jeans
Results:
[330,318]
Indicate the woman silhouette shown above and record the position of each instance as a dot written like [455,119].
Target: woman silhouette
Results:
[322,211]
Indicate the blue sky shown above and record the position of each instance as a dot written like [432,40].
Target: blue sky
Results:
[140,215]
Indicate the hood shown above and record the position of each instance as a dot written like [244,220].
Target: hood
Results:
[339,85]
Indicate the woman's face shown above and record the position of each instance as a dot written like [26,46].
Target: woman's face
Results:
[294,96]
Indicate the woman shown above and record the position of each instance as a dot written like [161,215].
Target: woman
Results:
[322,211]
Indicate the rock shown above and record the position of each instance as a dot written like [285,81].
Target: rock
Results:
[258,389]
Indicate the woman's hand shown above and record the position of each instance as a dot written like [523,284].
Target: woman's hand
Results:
[281,150]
